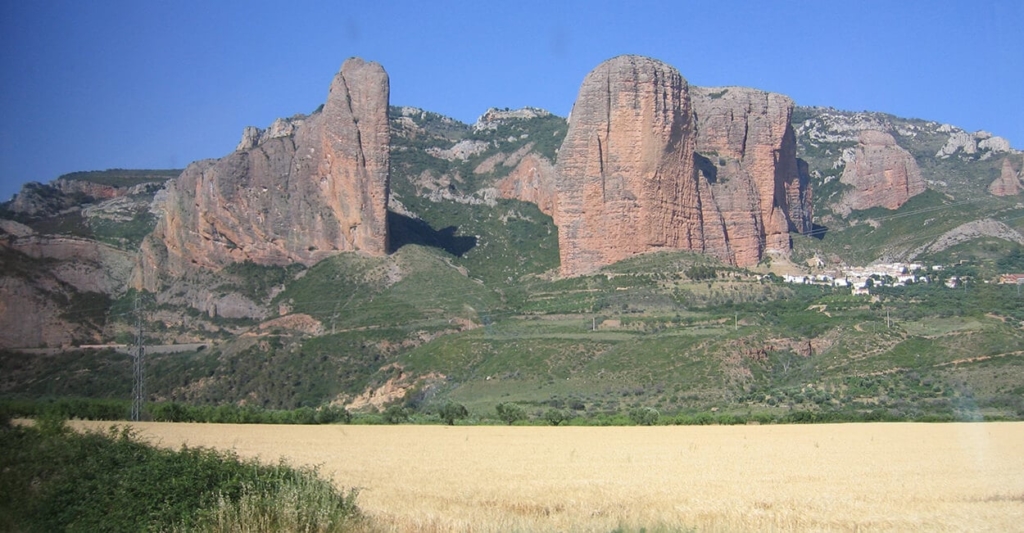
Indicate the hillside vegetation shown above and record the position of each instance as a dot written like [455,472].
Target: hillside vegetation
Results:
[467,309]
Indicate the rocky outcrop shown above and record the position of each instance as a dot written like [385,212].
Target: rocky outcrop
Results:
[981,144]
[86,265]
[533,180]
[881,174]
[747,143]
[985,227]
[650,163]
[282,127]
[41,275]
[462,150]
[41,200]
[627,182]
[310,188]
[494,117]
[1008,183]
[32,316]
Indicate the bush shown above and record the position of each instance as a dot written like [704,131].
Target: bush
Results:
[644,416]
[56,479]
[395,414]
[555,416]
[450,412]
[510,413]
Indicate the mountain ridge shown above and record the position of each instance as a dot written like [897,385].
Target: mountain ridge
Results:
[471,284]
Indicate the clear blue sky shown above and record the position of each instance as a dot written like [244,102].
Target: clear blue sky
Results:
[157,84]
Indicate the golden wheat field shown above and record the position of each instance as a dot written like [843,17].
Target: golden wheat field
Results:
[844,477]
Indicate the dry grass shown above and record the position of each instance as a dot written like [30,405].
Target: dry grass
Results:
[850,477]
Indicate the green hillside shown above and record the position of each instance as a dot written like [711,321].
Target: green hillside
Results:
[468,308]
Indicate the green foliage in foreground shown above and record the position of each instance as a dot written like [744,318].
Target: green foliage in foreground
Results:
[56,479]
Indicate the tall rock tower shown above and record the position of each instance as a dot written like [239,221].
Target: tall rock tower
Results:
[306,188]
[626,179]
[650,163]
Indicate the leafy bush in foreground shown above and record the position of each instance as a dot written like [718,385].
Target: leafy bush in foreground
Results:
[56,479]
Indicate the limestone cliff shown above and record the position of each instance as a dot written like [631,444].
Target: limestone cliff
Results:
[881,174]
[305,189]
[651,163]
[1008,182]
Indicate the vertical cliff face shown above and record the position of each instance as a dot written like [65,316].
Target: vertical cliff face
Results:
[626,179]
[749,153]
[318,189]
[533,180]
[1008,183]
[881,173]
[650,163]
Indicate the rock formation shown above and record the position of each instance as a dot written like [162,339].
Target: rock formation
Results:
[31,315]
[1008,182]
[40,275]
[626,179]
[643,168]
[282,127]
[746,141]
[881,173]
[533,180]
[304,189]
[968,145]
[985,227]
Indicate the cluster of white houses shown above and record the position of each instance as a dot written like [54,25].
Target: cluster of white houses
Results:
[861,279]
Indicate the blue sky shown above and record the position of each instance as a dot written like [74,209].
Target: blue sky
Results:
[158,83]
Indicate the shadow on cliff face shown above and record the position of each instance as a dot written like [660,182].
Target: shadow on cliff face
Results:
[404,230]
[706,167]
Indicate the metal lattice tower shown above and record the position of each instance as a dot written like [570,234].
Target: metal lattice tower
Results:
[138,366]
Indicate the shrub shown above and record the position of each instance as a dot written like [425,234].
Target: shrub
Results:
[555,416]
[450,412]
[331,415]
[510,413]
[56,479]
[644,416]
[395,414]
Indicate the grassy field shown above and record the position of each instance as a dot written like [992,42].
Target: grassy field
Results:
[848,477]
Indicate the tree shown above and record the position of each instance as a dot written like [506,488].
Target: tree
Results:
[330,415]
[555,416]
[510,413]
[396,414]
[451,412]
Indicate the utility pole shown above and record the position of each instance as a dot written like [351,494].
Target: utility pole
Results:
[888,324]
[138,365]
